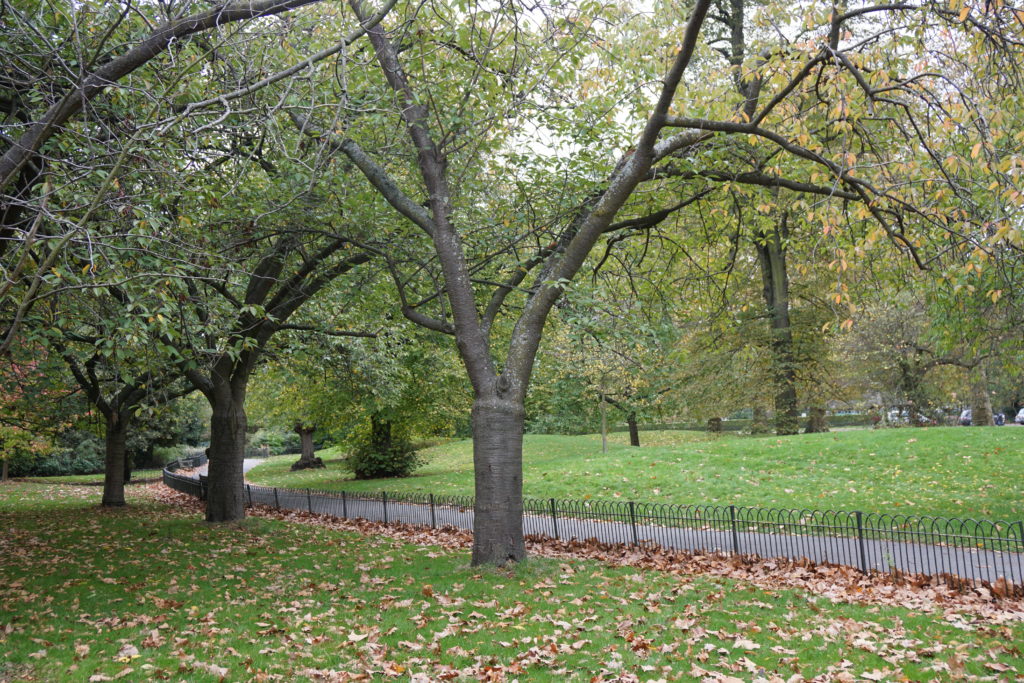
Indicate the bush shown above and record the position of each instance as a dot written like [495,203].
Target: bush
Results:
[165,454]
[78,452]
[396,459]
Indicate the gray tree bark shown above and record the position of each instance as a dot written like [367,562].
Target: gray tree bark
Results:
[225,482]
[114,459]
[498,465]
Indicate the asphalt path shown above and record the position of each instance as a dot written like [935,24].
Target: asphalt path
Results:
[872,554]
[879,554]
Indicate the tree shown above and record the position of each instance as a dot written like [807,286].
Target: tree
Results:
[50,79]
[826,140]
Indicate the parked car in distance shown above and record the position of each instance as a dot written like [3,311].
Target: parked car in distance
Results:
[965,418]
[1020,417]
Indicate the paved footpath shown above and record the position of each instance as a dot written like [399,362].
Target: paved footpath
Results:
[247,465]
[877,554]
[871,553]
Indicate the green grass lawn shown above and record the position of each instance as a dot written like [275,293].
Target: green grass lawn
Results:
[150,592]
[943,471]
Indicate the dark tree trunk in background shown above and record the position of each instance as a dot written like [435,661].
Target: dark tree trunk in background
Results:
[114,460]
[771,256]
[634,429]
[307,459]
[129,466]
[759,422]
[816,421]
[498,464]
[715,425]
[380,433]
[981,399]
[3,471]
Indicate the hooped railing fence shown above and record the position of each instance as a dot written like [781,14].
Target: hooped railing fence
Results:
[963,552]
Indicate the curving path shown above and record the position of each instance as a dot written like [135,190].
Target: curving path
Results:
[247,465]
[898,552]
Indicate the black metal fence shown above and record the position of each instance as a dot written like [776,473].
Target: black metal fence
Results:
[964,552]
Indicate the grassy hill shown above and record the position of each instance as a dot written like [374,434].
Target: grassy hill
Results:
[943,471]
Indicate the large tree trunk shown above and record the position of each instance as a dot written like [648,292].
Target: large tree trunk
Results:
[225,500]
[771,253]
[113,466]
[498,466]
[634,429]
[3,470]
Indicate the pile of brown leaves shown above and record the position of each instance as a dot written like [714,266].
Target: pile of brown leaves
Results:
[838,583]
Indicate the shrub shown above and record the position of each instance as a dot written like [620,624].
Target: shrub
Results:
[78,452]
[397,458]
[165,454]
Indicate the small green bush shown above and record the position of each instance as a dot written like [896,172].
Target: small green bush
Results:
[397,459]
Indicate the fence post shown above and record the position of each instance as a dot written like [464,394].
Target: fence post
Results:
[735,536]
[384,498]
[554,518]
[309,500]
[433,518]
[860,542]
[344,506]
[277,502]
[632,522]
[248,489]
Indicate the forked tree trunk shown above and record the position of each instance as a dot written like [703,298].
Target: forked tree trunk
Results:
[225,501]
[634,429]
[498,466]
[113,466]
